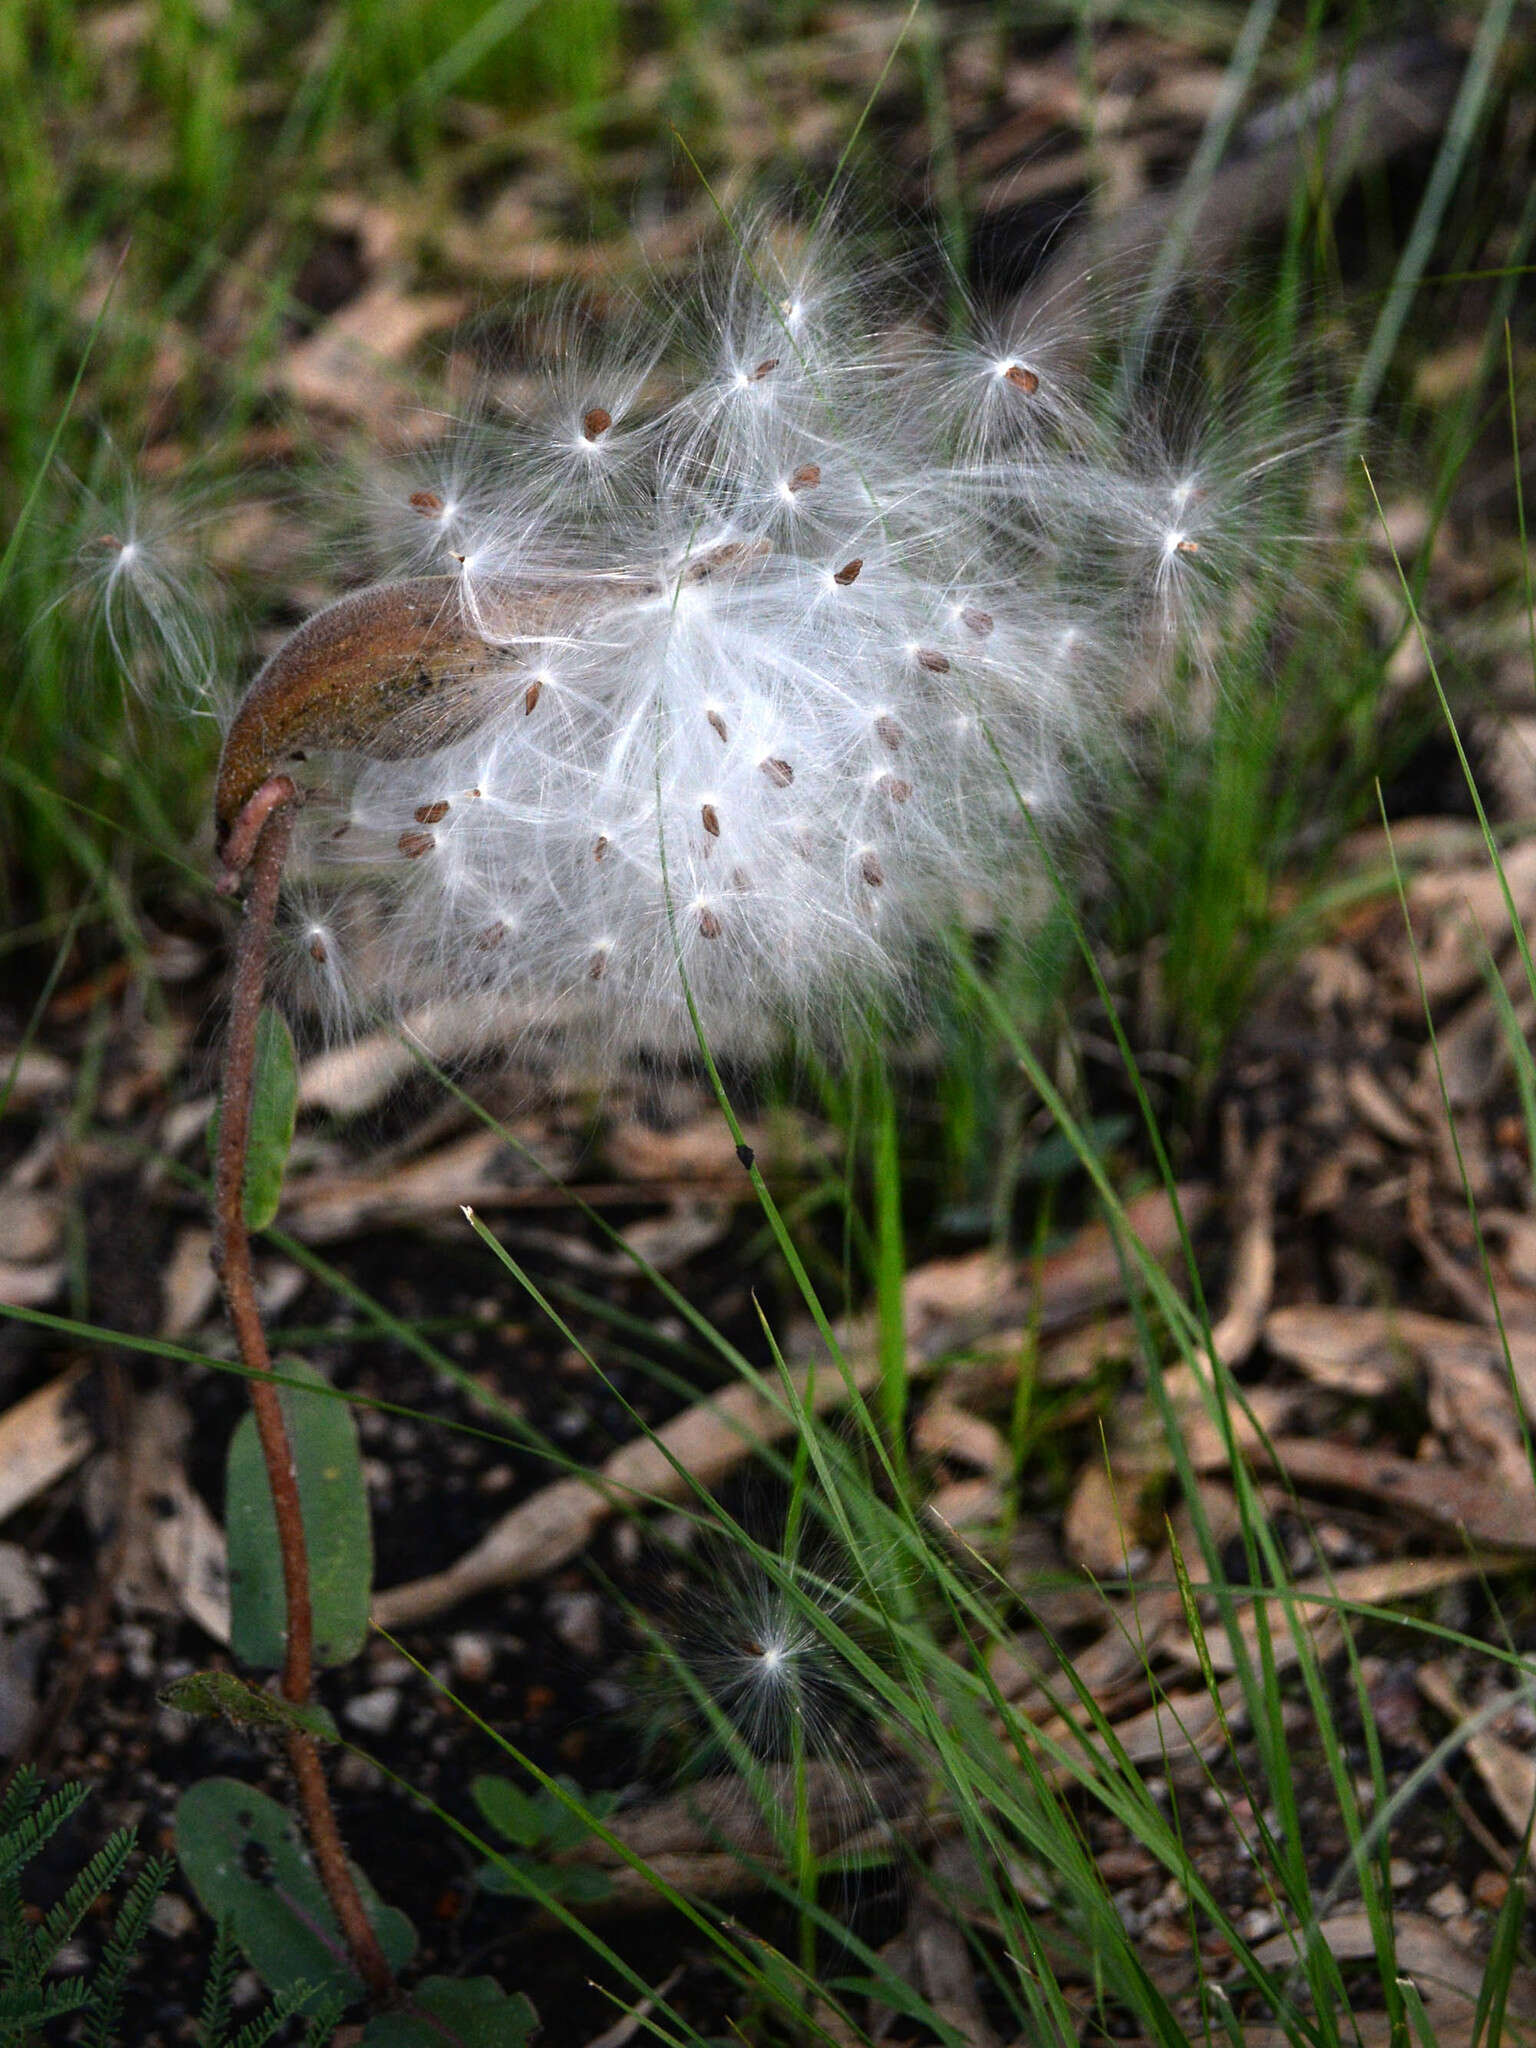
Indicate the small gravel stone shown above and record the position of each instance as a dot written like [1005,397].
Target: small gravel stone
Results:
[373,1712]
[1448,1902]
[473,1656]
[172,1916]
[577,1619]
[21,1589]
[1258,1923]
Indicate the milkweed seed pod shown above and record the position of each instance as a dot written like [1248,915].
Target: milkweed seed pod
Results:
[735,661]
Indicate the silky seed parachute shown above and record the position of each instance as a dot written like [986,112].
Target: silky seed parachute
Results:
[736,661]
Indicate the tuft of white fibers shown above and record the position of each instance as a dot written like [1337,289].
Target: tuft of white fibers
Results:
[797,621]
[759,1686]
[140,562]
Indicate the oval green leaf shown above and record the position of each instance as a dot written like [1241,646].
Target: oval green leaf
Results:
[242,1854]
[466,2012]
[274,1107]
[334,1501]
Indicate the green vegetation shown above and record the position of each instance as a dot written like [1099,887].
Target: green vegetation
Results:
[131,245]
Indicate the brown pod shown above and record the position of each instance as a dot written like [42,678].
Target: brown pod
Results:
[392,671]
[383,672]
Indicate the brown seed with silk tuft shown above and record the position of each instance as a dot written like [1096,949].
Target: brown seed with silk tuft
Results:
[414,844]
[711,819]
[596,422]
[431,814]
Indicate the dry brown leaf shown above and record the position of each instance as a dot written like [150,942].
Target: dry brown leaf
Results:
[30,1286]
[702,1149]
[1030,1673]
[1314,1604]
[965,1507]
[173,1556]
[1461,916]
[189,1286]
[1253,1259]
[1101,1530]
[338,369]
[1508,1773]
[1478,1508]
[42,1438]
[1379,1108]
[690,1225]
[945,1430]
[1443,1972]
[473,1172]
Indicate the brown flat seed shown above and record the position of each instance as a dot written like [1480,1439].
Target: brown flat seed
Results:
[806,477]
[888,731]
[414,844]
[318,950]
[977,622]
[709,924]
[768,363]
[601,847]
[740,879]
[342,829]
[778,772]
[1188,547]
[711,819]
[897,790]
[431,814]
[531,696]
[597,966]
[488,940]
[428,503]
[1022,379]
[931,659]
[849,572]
[871,870]
[718,723]
[595,424]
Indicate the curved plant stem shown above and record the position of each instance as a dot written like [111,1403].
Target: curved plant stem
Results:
[260,842]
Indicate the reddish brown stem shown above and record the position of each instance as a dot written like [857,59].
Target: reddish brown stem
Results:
[261,836]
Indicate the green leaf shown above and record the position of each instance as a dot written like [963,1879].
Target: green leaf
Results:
[224,1696]
[465,2012]
[334,1501]
[510,1811]
[274,1107]
[530,1877]
[241,1853]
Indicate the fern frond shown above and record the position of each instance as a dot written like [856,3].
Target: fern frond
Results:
[122,1946]
[99,1875]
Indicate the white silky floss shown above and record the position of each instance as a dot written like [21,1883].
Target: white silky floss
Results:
[798,621]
